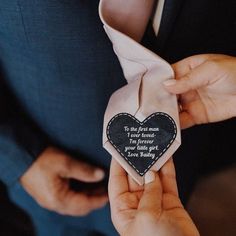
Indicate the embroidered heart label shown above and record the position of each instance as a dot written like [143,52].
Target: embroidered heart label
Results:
[141,144]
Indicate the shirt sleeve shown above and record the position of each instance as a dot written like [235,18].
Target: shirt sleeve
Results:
[21,141]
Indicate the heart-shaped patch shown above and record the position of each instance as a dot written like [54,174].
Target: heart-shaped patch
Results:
[141,144]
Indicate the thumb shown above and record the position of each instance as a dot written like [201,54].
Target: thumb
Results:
[82,171]
[152,195]
[198,77]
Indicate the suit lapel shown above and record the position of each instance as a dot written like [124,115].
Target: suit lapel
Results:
[170,14]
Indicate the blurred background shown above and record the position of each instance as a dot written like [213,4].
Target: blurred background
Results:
[212,207]
[13,221]
[212,204]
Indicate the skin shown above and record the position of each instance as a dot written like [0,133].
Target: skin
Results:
[47,181]
[206,85]
[152,209]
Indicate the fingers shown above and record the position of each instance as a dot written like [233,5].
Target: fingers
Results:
[47,181]
[82,171]
[184,66]
[78,204]
[60,198]
[133,185]
[152,195]
[186,120]
[164,183]
[118,181]
[193,73]
[168,178]
[195,79]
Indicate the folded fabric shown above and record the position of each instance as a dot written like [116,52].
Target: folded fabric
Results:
[141,123]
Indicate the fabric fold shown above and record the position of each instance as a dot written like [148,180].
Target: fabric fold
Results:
[144,71]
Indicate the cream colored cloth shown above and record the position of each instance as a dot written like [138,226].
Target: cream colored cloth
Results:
[158,15]
[125,22]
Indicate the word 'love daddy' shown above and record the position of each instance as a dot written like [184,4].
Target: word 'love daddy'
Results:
[141,144]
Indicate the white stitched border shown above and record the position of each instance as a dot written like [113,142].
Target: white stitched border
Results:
[141,123]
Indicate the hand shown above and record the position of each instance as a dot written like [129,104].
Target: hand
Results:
[154,209]
[207,88]
[47,181]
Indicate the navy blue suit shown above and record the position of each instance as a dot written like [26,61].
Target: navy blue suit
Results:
[58,71]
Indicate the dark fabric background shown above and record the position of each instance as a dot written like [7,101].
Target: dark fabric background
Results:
[13,221]
[188,27]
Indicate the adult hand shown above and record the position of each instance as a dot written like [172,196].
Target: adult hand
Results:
[207,88]
[47,181]
[154,209]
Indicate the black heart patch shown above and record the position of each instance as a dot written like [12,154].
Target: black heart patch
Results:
[141,144]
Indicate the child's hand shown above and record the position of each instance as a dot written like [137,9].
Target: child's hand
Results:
[154,209]
[207,88]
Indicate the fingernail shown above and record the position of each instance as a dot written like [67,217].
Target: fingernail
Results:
[149,177]
[99,174]
[169,82]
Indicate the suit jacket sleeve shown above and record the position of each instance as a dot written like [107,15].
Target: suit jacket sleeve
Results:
[21,141]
